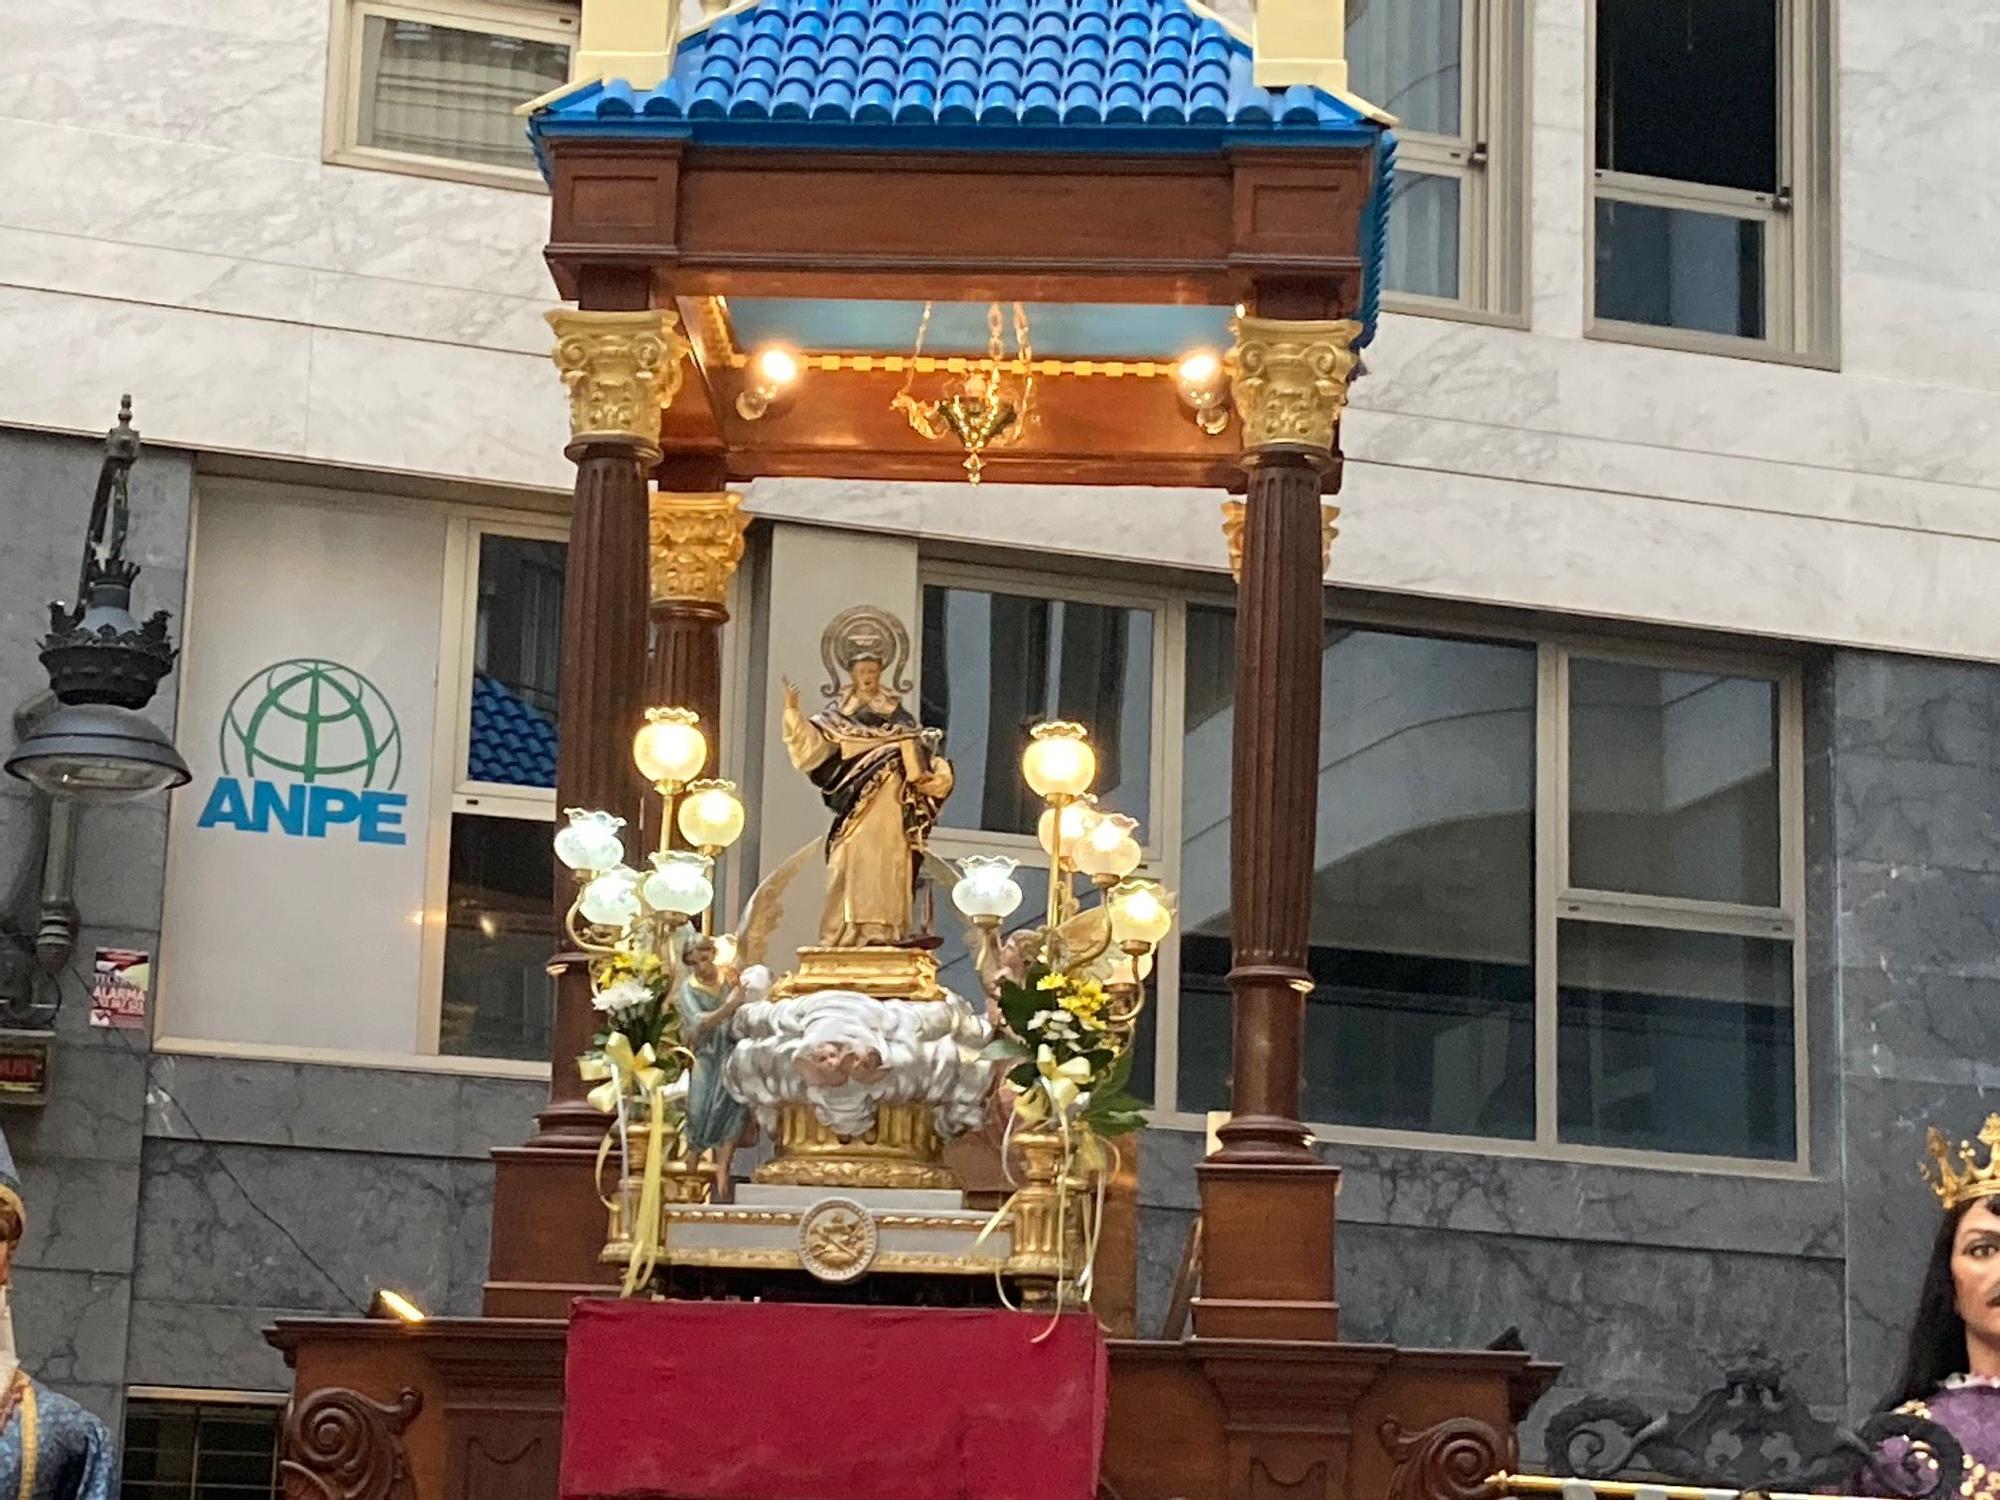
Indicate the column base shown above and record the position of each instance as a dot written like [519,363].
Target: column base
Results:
[1267,1251]
[548,1230]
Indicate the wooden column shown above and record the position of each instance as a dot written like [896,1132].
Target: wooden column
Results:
[621,369]
[1267,1202]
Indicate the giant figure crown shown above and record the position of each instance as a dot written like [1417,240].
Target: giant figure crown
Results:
[1968,1180]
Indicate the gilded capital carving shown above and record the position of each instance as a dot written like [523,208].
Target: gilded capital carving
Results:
[696,541]
[1232,535]
[1289,379]
[621,370]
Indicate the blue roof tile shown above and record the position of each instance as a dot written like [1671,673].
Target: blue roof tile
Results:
[511,742]
[1044,75]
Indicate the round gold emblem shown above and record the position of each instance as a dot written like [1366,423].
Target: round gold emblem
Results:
[837,1240]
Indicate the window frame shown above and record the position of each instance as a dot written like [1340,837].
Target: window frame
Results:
[198,1398]
[1801,302]
[453,792]
[1555,899]
[341,147]
[1488,160]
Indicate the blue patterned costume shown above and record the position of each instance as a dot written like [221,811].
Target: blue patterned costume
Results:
[70,1453]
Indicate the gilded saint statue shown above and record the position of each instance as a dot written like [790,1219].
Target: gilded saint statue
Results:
[880,773]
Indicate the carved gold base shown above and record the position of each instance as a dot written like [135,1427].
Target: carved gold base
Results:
[900,1152]
[1048,1214]
[884,973]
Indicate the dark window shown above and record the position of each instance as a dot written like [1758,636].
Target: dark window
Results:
[200,1450]
[499,933]
[1687,90]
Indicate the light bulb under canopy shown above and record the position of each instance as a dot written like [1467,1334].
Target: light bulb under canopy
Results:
[670,748]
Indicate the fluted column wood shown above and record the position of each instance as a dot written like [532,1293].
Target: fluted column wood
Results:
[620,369]
[1267,1201]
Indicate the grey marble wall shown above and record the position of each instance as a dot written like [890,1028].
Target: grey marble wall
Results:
[284,1189]
[79,1154]
[1904,772]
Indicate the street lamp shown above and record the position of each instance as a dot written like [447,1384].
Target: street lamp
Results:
[104,665]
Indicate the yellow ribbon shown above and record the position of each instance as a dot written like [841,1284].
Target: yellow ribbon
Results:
[646,1226]
[623,1071]
[1057,1088]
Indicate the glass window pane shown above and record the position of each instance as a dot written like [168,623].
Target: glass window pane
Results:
[1423,236]
[1680,268]
[1673,782]
[1403,55]
[1422,1015]
[1675,1041]
[444,92]
[516,661]
[1652,59]
[499,933]
[997,664]
[190,1450]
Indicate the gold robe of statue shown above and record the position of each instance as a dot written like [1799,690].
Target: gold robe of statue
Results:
[880,775]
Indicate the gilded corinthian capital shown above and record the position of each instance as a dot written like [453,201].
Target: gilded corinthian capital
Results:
[620,369]
[696,543]
[1289,379]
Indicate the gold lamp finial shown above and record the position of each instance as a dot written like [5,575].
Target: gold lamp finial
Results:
[1960,1184]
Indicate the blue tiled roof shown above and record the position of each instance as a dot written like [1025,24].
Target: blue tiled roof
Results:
[512,742]
[1040,75]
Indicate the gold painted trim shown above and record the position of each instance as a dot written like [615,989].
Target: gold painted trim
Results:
[695,542]
[1289,378]
[621,370]
[913,1262]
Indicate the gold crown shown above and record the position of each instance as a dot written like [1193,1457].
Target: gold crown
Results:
[1969,1180]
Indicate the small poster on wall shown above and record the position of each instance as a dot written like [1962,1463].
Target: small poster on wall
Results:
[118,986]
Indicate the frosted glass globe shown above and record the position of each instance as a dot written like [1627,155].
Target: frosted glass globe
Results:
[679,883]
[1109,849]
[670,746]
[986,886]
[1058,761]
[1139,913]
[612,899]
[711,814]
[589,841]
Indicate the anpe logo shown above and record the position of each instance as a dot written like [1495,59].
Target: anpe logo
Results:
[309,746]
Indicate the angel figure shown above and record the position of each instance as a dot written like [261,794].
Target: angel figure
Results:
[881,775]
[707,997]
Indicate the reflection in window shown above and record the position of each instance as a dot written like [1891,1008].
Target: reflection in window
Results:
[442,91]
[1422,1015]
[516,661]
[996,664]
[1680,268]
[1403,55]
[499,933]
[1676,1041]
[1423,235]
[200,1450]
[1653,58]
[1673,783]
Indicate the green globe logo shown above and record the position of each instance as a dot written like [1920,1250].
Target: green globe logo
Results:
[312,720]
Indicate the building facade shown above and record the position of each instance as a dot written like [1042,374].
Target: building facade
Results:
[1659,887]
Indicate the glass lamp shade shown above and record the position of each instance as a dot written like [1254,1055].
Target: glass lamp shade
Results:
[589,841]
[97,752]
[679,883]
[986,887]
[1078,819]
[1058,761]
[711,814]
[670,746]
[1108,850]
[1140,913]
[612,899]
[1128,970]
